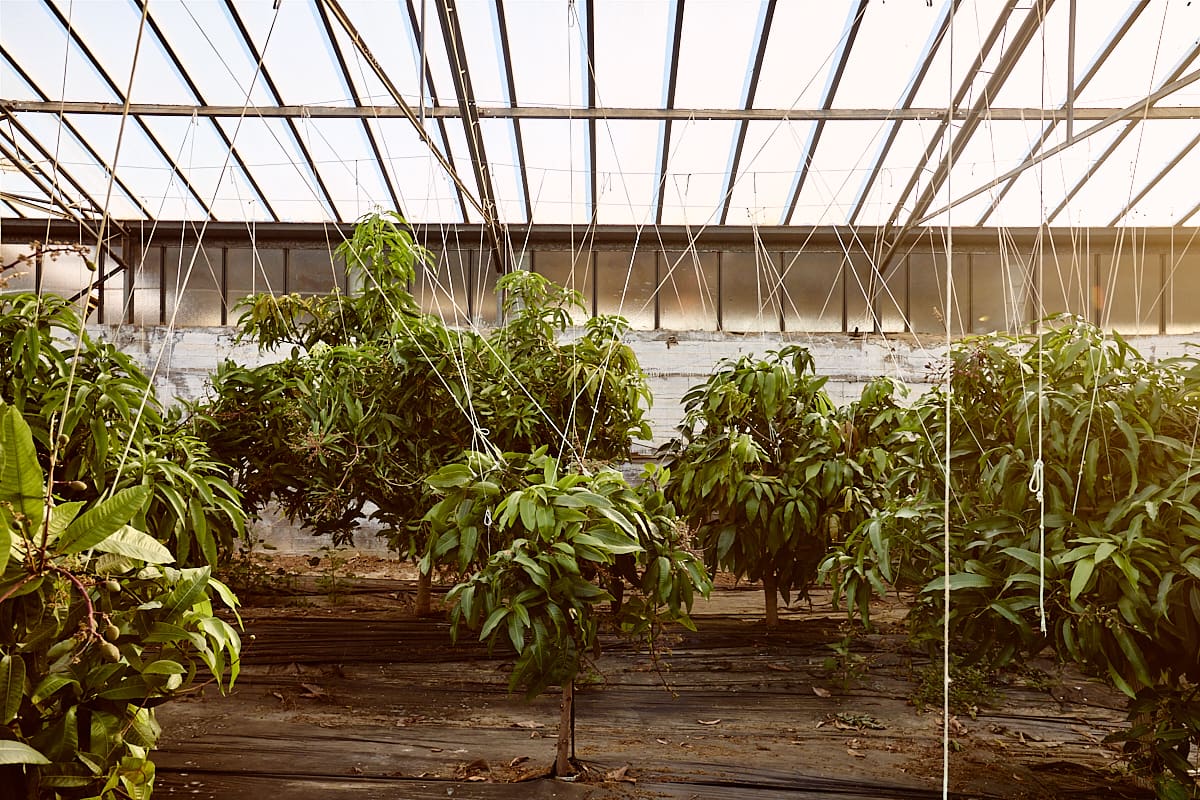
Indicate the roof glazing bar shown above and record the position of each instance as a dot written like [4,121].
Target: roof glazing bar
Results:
[764,33]
[1131,16]
[836,79]
[260,62]
[1145,190]
[116,90]
[510,82]
[664,152]
[46,155]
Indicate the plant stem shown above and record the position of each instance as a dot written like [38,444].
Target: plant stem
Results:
[771,591]
[18,585]
[424,590]
[83,592]
[566,729]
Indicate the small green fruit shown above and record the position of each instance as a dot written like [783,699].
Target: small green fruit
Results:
[109,652]
[113,585]
[112,632]
[63,439]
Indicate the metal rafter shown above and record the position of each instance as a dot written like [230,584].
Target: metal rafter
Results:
[1114,39]
[465,198]
[664,154]
[764,33]
[516,114]
[510,81]
[456,49]
[4,199]
[186,77]
[46,155]
[66,123]
[1095,165]
[259,60]
[905,106]
[830,92]
[120,95]
[593,190]
[380,163]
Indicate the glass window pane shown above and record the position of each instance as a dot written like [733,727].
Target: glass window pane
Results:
[192,288]
[749,291]
[442,291]
[18,273]
[250,271]
[813,292]
[313,272]
[625,283]
[1127,293]
[147,288]
[888,294]
[927,292]
[716,52]
[687,290]
[1183,312]
[486,302]
[624,49]
[1065,284]
[999,292]
[570,269]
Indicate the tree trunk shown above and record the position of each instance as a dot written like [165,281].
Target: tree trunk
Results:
[771,590]
[424,586]
[566,730]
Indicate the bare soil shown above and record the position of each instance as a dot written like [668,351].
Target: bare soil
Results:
[344,692]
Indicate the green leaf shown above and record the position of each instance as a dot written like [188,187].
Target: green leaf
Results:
[130,542]
[20,753]
[21,482]
[104,519]
[495,618]
[959,580]
[1081,576]
[12,687]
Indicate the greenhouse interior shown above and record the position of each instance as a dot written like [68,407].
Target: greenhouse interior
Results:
[599,399]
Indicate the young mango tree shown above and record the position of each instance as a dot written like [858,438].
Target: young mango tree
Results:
[759,472]
[545,540]
[95,630]
[1119,568]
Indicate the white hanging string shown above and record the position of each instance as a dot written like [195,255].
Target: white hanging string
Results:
[949,144]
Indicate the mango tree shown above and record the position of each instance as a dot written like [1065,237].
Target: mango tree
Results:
[545,539]
[1118,473]
[758,470]
[95,630]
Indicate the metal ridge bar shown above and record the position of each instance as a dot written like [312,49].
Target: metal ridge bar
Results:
[831,91]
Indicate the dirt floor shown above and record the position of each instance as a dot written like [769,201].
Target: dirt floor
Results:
[345,693]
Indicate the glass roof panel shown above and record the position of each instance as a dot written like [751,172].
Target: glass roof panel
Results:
[972,24]
[270,153]
[902,30]
[1173,196]
[1041,187]
[763,186]
[841,162]
[716,52]
[347,165]
[627,171]
[387,34]
[426,193]
[624,50]
[205,39]
[906,151]
[140,165]
[1132,165]
[436,60]
[1158,42]
[500,145]
[110,31]
[461,159]
[556,162]
[36,40]
[295,52]
[547,53]
[693,191]
[485,57]
[15,87]
[802,48]
[75,160]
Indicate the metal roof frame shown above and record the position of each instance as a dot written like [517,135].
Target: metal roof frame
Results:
[664,151]
[735,163]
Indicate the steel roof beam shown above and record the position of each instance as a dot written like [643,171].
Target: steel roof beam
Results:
[664,152]
[1095,165]
[380,163]
[905,107]
[510,82]
[1073,113]
[836,79]
[461,75]
[764,33]
[116,90]
[1054,114]
[181,70]
[46,155]
[66,123]
[260,62]
[593,190]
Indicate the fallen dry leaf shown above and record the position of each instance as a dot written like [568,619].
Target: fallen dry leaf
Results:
[856,753]
[819,692]
[709,721]
[621,774]
[662,741]
[518,760]
[312,691]
[779,667]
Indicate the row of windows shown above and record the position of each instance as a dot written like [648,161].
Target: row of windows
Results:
[1133,292]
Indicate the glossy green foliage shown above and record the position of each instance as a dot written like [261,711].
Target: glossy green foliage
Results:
[94,415]
[542,544]
[95,630]
[374,396]
[759,471]
[1122,526]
